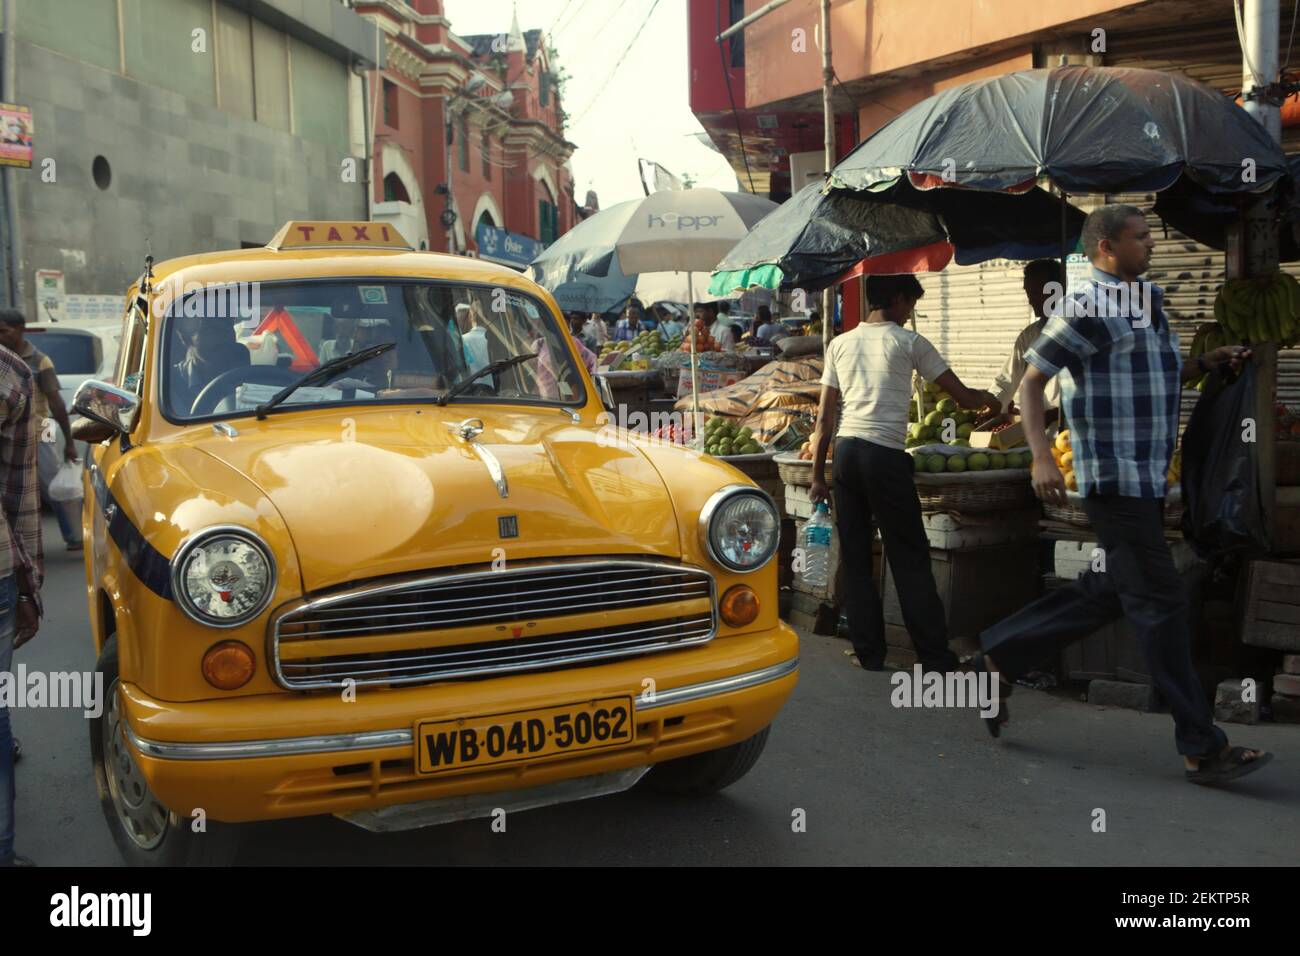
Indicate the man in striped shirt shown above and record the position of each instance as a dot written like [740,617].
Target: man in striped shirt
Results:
[21,567]
[1121,372]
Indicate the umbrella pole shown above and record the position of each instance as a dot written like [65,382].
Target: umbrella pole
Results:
[695,384]
[1065,253]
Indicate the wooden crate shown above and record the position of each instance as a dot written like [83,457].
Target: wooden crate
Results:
[1271,616]
[1109,653]
[978,587]
[1284,532]
[1288,463]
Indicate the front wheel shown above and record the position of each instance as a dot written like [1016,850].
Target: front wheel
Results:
[146,832]
[709,772]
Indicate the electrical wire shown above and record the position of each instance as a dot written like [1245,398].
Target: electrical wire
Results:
[726,73]
[1294,12]
[605,85]
[1241,41]
[559,17]
[575,17]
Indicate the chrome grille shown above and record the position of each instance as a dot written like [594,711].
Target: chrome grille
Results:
[442,607]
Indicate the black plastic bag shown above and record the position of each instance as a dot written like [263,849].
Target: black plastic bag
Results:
[1223,507]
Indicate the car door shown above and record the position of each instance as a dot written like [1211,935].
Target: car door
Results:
[103,458]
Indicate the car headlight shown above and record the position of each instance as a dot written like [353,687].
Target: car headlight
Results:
[741,528]
[223,577]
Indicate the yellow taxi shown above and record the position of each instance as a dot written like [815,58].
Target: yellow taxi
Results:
[360,541]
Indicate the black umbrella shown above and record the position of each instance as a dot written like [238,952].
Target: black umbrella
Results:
[818,234]
[1207,217]
[1086,129]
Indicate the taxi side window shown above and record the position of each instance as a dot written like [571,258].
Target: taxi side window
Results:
[131,357]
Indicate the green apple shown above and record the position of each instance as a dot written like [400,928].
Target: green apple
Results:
[963,431]
[978,462]
[936,463]
[947,405]
[956,463]
[934,419]
[997,460]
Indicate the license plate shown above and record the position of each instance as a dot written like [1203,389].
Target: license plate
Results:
[523,735]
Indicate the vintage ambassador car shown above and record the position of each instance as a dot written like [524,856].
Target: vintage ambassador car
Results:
[360,541]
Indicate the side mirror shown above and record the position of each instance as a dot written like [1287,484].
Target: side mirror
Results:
[606,393]
[107,404]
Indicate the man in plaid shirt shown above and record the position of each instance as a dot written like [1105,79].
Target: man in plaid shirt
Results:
[1121,377]
[21,566]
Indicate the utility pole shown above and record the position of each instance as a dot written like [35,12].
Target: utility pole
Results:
[1261,31]
[828,120]
[11,251]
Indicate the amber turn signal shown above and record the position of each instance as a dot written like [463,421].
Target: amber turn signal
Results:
[229,665]
[739,606]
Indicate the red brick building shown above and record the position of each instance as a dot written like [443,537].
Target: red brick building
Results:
[471,126]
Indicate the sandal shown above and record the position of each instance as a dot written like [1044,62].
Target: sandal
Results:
[1229,764]
[994,724]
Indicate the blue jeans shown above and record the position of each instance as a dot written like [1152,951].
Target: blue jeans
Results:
[8,615]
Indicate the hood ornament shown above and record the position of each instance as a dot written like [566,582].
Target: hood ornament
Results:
[468,432]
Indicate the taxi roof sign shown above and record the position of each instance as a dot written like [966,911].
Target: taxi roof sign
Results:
[303,234]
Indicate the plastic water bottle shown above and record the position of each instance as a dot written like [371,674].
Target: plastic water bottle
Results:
[817,548]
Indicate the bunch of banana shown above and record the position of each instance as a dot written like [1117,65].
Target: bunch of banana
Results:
[1209,336]
[1262,309]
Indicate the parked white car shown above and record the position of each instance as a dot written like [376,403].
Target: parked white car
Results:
[79,352]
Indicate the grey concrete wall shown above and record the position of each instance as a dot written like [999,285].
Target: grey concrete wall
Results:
[188,178]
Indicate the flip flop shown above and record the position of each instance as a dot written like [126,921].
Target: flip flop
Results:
[1226,766]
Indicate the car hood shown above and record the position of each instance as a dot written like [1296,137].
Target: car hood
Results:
[379,492]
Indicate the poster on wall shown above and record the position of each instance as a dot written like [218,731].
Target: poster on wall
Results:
[49,294]
[15,136]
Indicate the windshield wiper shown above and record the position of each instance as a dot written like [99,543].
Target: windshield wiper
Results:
[499,366]
[324,373]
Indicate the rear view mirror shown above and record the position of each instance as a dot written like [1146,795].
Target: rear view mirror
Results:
[107,404]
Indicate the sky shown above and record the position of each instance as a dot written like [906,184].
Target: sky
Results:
[619,112]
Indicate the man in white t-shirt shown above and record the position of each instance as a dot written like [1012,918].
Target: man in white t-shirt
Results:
[871,368]
[1043,277]
[719,327]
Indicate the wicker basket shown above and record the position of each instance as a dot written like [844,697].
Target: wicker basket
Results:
[794,470]
[1072,511]
[975,492]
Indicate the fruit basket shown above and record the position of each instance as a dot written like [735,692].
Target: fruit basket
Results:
[966,481]
[1072,511]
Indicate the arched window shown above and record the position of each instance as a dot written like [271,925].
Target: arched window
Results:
[394,189]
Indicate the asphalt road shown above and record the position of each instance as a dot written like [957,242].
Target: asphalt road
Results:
[877,786]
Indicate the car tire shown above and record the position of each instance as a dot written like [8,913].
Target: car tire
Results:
[146,832]
[709,772]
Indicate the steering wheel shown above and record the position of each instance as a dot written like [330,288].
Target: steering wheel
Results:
[224,385]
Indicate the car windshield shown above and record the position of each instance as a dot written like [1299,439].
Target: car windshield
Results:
[228,350]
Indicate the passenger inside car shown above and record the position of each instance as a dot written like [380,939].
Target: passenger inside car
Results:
[210,350]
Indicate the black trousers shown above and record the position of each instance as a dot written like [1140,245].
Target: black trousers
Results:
[1139,583]
[872,481]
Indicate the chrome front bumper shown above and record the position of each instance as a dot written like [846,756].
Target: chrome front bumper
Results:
[404,736]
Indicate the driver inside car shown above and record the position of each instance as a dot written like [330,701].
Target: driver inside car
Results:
[211,350]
